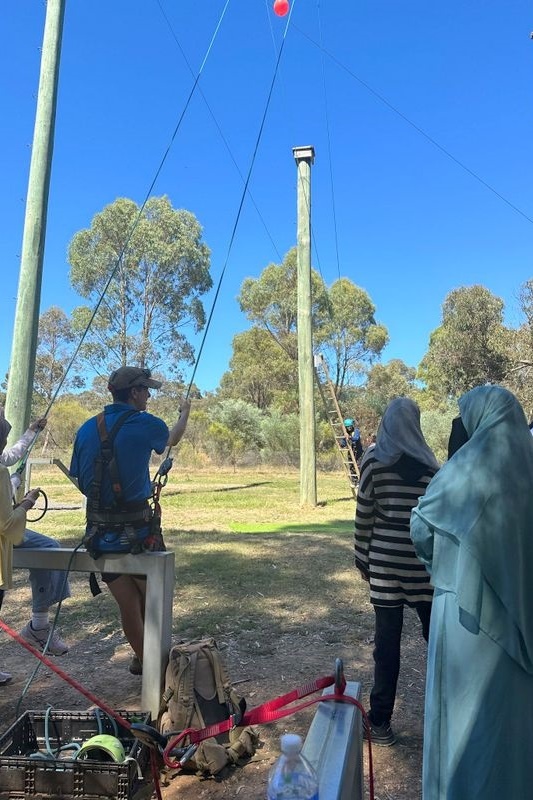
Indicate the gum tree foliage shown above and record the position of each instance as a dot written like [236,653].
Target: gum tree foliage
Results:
[55,348]
[436,426]
[349,336]
[281,434]
[235,429]
[154,295]
[270,301]
[387,381]
[66,416]
[520,376]
[166,401]
[471,345]
[260,372]
[344,329]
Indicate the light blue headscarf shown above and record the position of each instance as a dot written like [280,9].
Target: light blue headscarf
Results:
[480,509]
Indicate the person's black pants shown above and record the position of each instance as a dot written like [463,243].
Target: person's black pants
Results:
[388,633]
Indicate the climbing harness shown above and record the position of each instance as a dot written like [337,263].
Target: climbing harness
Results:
[124,526]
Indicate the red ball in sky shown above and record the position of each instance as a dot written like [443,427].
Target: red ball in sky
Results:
[281,7]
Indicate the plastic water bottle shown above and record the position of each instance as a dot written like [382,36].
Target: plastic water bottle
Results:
[292,777]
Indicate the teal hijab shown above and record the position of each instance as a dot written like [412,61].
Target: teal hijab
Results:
[479,510]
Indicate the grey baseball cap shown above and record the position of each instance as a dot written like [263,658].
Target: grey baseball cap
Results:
[128,377]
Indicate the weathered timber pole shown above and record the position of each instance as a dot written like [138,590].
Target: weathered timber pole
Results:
[305,157]
[24,346]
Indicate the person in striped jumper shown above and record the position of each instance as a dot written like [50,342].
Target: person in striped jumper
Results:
[394,475]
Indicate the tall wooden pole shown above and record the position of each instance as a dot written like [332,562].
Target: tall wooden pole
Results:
[305,157]
[24,346]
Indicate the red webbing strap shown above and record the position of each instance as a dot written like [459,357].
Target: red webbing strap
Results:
[269,712]
[95,700]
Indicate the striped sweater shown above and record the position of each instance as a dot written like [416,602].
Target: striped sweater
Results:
[383,547]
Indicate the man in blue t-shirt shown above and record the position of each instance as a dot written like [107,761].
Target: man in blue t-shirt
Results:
[139,434]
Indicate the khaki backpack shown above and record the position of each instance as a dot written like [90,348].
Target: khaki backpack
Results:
[198,693]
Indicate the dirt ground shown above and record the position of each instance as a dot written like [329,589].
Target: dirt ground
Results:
[262,670]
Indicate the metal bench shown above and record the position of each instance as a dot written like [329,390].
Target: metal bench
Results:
[334,746]
[159,571]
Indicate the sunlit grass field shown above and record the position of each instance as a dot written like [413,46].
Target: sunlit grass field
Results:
[238,537]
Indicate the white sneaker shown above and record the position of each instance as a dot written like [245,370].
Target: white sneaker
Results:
[5,677]
[37,639]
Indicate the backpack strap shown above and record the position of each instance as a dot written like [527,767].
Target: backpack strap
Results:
[180,691]
[221,679]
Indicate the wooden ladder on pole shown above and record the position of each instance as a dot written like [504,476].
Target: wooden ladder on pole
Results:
[342,438]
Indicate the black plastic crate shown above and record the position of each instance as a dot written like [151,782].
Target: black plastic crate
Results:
[64,778]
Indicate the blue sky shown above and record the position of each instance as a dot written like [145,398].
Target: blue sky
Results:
[406,218]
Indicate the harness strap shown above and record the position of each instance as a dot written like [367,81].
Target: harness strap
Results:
[113,518]
[107,442]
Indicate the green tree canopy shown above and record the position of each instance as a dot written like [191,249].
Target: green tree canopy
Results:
[520,376]
[348,335]
[471,345]
[235,429]
[149,270]
[55,348]
[271,301]
[260,372]
[344,328]
[387,381]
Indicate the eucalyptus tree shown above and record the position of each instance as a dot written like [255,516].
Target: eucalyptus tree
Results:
[344,328]
[235,429]
[144,270]
[348,335]
[55,350]
[520,375]
[271,301]
[260,372]
[387,381]
[470,347]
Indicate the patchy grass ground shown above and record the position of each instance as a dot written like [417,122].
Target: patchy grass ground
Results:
[272,582]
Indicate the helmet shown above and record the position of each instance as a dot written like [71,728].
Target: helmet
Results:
[102,747]
[349,423]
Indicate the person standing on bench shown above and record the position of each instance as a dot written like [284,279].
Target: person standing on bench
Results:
[110,463]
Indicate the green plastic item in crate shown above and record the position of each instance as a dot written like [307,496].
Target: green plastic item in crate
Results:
[61,776]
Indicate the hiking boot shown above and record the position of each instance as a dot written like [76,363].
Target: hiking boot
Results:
[5,677]
[382,735]
[37,639]
[135,667]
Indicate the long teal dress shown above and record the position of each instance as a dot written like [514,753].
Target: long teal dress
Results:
[473,530]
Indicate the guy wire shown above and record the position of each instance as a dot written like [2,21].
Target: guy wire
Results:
[141,209]
[243,195]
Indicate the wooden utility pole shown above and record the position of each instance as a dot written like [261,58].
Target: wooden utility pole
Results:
[24,346]
[305,157]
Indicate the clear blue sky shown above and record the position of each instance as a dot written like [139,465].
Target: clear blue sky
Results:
[411,222]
